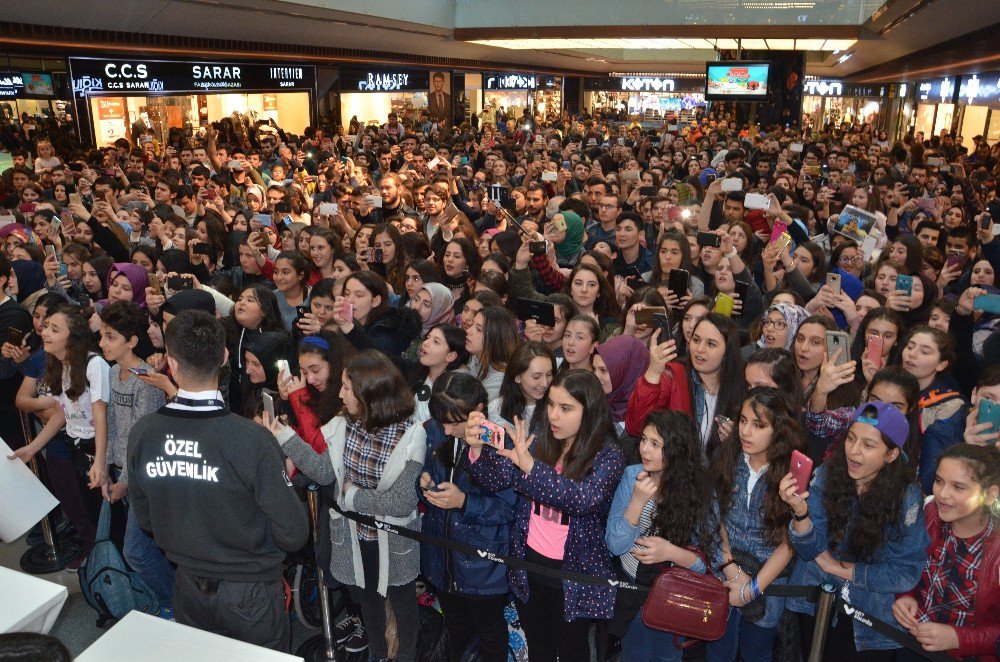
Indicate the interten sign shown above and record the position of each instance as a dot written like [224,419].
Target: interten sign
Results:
[510,82]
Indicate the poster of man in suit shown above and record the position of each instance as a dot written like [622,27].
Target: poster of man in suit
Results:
[438,97]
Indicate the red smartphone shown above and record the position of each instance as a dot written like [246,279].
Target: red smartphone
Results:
[801,468]
[874,351]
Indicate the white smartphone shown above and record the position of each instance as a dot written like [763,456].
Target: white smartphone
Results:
[757,201]
[282,366]
[549,176]
[375,200]
[268,406]
[328,208]
[796,147]
[732,184]
[434,163]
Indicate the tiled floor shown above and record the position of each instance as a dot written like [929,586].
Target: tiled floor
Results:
[76,626]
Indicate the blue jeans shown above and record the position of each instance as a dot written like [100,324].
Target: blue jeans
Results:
[642,644]
[753,642]
[142,554]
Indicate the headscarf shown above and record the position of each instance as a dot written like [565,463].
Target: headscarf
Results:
[922,313]
[30,278]
[269,347]
[442,306]
[686,195]
[794,315]
[25,234]
[627,359]
[571,245]
[189,300]
[137,276]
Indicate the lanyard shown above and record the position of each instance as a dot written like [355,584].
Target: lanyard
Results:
[191,402]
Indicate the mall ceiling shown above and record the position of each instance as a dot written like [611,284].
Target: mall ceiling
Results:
[843,38]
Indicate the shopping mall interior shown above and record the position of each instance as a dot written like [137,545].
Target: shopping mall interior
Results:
[146,75]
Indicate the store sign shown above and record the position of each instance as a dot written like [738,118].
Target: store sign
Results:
[112,108]
[647,84]
[980,88]
[384,80]
[270,102]
[11,85]
[510,82]
[823,88]
[92,75]
[938,91]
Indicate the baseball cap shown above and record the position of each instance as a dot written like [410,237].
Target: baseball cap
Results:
[886,419]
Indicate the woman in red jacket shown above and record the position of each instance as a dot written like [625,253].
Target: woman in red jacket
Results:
[314,394]
[956,605]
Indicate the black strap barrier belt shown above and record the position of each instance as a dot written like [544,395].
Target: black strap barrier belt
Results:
[810,593]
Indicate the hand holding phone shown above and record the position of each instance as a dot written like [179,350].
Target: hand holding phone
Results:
[800,466]
[493,434]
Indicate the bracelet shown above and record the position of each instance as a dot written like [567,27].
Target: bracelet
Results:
[726,565]
[743,597]
[739,573]
[754,588]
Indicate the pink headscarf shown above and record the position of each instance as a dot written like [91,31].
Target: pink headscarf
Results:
[627,359]
[137,276]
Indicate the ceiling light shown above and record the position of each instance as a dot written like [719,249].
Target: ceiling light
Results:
[780,44]
[669,43]
[844,58]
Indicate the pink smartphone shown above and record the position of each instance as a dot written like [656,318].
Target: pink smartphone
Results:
[493,434]
[874,351]
[801,468]
[778,229]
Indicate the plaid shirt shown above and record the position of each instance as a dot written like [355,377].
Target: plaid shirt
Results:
[947,589]
[365,455]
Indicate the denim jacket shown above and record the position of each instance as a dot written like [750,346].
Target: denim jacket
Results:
[896,568]
[745,528]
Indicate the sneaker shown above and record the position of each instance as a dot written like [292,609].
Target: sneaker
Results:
[76,564]
[344,629]
[357,641]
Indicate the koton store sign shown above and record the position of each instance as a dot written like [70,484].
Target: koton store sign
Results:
[823,88]
[647,84]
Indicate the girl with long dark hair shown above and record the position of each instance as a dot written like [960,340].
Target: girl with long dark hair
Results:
[374,455]
[661,507]
[255,311]
[472,590]
[442,349]
[366,318]
[859,525]
[748,468]
[491,341]
[526,381]
[388,245]
[565,479]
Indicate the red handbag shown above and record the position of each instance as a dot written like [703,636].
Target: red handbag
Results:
[688,604]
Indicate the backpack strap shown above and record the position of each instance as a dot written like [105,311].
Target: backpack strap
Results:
[104,522]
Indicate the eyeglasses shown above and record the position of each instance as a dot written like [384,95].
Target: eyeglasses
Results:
[607,206]
[779,325]
[843,259]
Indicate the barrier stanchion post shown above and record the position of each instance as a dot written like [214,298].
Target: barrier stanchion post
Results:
[824,611]
[312,495]
[52,554]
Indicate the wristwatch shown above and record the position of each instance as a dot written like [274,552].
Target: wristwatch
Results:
[733,253]
[802,517]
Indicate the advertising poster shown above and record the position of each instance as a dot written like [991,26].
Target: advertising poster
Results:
[737,80]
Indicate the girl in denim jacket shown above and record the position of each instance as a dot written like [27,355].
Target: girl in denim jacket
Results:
[662,506]
[748,469]
[860,526]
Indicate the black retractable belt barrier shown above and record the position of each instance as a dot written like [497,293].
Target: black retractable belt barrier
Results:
[824,596]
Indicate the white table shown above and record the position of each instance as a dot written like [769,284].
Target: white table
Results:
[153,639]
[27,603]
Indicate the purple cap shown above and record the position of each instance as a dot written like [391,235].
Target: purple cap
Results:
[886,419]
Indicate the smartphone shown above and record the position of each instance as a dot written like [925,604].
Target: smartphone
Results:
[678,282]
[904,283]
[282,365]
[661,321]
[795,148]
[711,177]
[630,175]
[498,194]
[873,351]
[944,168]
[179,283]
[328,208]
[434,163]
[647,191]
[723,304]
[432,488]
[986,222]
[709,240]
[50,250]
[154,284]
[347,310]
[202,249]
[15,336]
[74,199]
[743,290]
[801,468]
[549,176]
[493,434]
[263,219]
[934,161]
[26,207]
[374,200]
[66,216]
[75,167]
[838,340]
[988,303]
[955,260]
[537,247]
[779,228]
[283,207]
[542,312]
[235,165]
[757,201]
[989,412]
[644,316]
[833,281]
[732,184]
[109,172]
[268,405]
[142,372]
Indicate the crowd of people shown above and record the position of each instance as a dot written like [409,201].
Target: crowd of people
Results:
[591,345]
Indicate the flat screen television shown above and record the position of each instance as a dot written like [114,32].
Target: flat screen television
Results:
[37,84]
[736,81]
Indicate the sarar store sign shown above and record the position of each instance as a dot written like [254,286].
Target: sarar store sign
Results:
[93,76]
